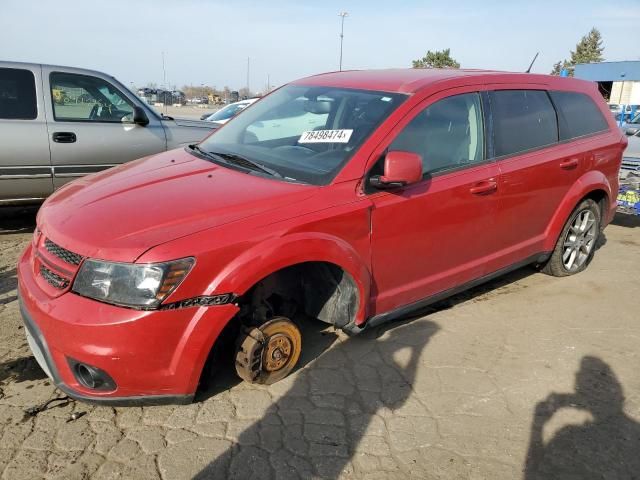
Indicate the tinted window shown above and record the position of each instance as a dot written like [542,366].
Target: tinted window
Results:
[447,134]
[17,94]
[579,115]
[86,98]
[522,120]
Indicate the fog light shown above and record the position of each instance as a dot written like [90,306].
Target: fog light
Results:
[90,376]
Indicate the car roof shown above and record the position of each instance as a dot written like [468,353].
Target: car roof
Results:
[410,80]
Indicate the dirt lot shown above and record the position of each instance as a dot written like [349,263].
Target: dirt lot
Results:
[527,377]
[187,111]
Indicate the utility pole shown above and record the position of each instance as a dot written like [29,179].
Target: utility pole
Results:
[343,15]
[248,67]
[164,73]
[164,83]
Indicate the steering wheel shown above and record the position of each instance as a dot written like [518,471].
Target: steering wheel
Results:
[93,114]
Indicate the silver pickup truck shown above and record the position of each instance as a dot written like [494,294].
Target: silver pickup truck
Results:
[58,123]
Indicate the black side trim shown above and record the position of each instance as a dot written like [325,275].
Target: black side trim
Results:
[113,401]
[83,169]
[203,301]
[25,171]
[353,329]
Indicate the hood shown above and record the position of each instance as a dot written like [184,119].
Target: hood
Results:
[120,213]
[187,122]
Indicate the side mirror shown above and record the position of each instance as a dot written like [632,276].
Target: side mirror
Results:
[400,169]
[140,117]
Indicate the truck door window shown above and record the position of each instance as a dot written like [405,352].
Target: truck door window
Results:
[17,94]
[82,98]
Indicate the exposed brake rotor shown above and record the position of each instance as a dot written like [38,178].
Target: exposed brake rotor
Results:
[268,353]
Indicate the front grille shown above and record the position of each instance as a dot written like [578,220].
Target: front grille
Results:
[53,279]
[62,253]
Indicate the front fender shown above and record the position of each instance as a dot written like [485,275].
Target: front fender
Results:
[587,183]
[275,254]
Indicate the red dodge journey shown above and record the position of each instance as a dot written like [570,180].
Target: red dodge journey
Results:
[352,198]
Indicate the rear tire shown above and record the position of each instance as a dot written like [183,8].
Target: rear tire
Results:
[577,241]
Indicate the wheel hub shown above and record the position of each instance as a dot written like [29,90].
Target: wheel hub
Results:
[277,352]
[580,240]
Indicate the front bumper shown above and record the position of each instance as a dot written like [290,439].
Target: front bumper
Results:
[154,357]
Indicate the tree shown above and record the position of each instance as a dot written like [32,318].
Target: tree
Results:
[436,59]
[588,50]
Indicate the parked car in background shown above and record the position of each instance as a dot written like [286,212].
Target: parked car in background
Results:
[395,189]
[59,123]
[225,114]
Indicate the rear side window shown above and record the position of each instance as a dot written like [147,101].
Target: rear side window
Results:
[579,115]
[17,94]
[522,120]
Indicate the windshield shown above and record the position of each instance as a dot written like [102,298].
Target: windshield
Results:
[635,119]
[227,112]
[304,133]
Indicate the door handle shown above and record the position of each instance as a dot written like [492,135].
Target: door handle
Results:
[569,164]
[64,137]
[485,187]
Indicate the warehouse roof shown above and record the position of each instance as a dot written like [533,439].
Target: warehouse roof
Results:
[608,71]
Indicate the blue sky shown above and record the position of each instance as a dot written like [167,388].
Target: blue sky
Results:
[209,41]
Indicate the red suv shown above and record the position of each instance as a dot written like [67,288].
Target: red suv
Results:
[350,197]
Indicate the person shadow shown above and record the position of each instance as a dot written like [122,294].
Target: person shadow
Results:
[316,427]
[606,446]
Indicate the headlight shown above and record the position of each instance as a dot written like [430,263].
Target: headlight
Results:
[128,284]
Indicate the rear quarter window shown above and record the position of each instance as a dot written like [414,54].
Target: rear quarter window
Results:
[17,94]
[578,114]
[522,120]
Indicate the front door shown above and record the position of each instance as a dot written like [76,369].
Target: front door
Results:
[90,123]
[434,235]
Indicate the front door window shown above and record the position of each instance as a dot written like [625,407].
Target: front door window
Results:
[82,98]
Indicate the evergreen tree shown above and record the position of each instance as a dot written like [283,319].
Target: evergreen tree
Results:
[436,59]
[588,50]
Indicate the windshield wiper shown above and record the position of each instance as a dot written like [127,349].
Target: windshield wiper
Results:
[234,159]
[246,163]
[205,153]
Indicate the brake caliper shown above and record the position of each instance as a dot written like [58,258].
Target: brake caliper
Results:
[249,354]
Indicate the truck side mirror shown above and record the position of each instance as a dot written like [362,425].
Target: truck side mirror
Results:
[140,117]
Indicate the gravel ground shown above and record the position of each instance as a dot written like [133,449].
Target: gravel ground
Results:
[526,377]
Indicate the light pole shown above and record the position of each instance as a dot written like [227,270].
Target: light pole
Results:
[343,15]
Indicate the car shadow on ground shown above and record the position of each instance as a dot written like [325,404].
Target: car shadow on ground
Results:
[8,284]
[605,446]
[22,369]
[17,219]
[320,422]
[626,220]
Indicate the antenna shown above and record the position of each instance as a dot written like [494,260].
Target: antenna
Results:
[532,62]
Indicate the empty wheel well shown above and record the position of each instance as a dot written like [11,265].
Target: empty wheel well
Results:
[320,290]
[601,198]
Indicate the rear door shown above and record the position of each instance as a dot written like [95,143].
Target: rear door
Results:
[535,172]
[90,124]
[25,168]
[543,142]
